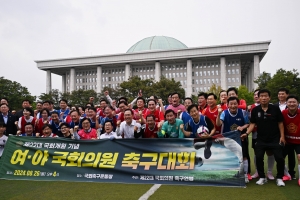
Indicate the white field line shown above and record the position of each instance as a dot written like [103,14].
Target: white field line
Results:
[150,192]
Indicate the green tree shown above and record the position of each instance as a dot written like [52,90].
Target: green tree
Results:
[286,79]
[166,86]
[243,93]
[81,97]
[54,96]
[263,80]
[215,89]
[15,93]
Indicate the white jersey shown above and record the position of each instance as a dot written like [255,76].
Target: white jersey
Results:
[3,141]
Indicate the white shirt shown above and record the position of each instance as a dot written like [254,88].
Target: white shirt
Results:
[3,141]
[128,130]
[282,106]
[108,135]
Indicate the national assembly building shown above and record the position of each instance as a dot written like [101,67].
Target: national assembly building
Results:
[196,68]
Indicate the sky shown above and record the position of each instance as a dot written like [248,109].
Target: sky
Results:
[38,30]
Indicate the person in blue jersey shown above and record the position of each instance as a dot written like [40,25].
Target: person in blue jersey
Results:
[185,116]
[233,119]
[54,123]
[63,111]
[75,116]
[29,130]
[109,116]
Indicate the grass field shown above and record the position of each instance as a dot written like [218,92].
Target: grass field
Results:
[89,190]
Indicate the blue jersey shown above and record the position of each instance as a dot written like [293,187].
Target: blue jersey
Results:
[185,117]
[231,122]
[66,112]
[193,127]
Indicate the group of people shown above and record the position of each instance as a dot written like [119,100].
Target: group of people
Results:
[275,128]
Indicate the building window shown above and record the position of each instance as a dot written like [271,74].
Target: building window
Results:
[184,74]
[212,73]
[217,72]
[233,71]
[237,80]
[229,71]
[193,81]
[208,73]
[204,73]
[229,80]
[237,71]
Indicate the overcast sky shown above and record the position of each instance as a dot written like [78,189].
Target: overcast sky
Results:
[37,30]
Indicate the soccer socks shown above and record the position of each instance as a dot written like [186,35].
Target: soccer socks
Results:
[299,170]
[271,161]
[245,162]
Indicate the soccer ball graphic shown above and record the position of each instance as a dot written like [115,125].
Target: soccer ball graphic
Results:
[202,130]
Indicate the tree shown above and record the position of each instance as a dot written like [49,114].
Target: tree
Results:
[81,97]
[243,93]
[263,80]
[54,96]
[166,86]
[15,93]
[215,89]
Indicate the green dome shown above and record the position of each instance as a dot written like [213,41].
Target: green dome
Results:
[156,43]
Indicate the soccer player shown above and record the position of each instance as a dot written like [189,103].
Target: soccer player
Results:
[27,117]
[149,130]
[176,106]
[171,127]
[159,116]
[202,97]
[75,116]
[233,119]
[109,116]
[212,110]
[270,135]
[47,132]
[54,122]
[44,119]
[185,116]
[87,132]
[64,111]
[29,130]
[233,92]
[223,98]
[141,110]
[291,122]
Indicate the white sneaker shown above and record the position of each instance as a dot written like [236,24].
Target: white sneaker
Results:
[280,182]
[270,176]
[246,178]
[261,181]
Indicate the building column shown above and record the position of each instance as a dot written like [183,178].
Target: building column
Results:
[249,78]
[189,78]
[99,79]
[63,83]
[72,79]
[256,70]
[127,72]
[48,82]
[157,71]
[223,73]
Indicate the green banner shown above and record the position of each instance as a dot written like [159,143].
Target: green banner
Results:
[161,161]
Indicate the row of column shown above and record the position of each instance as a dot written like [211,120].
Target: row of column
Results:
[251,75]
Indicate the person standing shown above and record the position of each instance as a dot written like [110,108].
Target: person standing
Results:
[8,119]
[270,135]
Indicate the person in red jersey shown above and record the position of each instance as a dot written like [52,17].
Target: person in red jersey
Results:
[223,98]
[86,133]
[212,110]
[291,122]
[45,119]
[159,116]
[233,92]
[26,118]
[141,110]
[149,130]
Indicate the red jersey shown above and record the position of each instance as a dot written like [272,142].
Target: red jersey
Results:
[136,114]
[159,116]
[212,115]
[23,122]
[100,112]
[148,133]
[243,104]
[40,124]
[88,136]
[224,106]
[291,127]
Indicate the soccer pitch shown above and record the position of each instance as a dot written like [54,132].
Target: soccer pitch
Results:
[90,190]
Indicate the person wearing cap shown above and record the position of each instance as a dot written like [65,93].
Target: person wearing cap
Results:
[3,138]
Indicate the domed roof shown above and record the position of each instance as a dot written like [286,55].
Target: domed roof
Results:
[156,43]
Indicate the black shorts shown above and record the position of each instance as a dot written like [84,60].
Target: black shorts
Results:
[245,148]
[291,147]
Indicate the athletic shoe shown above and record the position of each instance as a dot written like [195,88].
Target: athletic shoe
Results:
[286,178]
[270,176]
[261,181]
[293,177]
[279,182]
[299,182]
[199,145]
[246,178]
[249,177]
[207,151]
[255,175]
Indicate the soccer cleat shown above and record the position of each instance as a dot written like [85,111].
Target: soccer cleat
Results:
[255,175]
[279,182]
[270,176]
[207,151]
[198,161]
[249,177]
[261,181]
[246,178]
[293,177]
[199,145]
[286,178]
